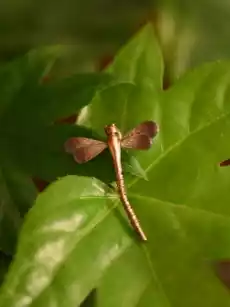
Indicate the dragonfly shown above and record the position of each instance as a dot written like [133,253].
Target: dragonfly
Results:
[140,138]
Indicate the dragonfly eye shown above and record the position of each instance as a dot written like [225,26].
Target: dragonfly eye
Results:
[107,129]
[118,135]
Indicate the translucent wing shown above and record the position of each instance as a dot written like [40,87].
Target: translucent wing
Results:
[141,136]
[84,149]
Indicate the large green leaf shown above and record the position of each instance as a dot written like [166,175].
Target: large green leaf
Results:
[139,67]
[77,239]
[140,61]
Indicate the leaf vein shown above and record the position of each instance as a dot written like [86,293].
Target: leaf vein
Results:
[179,142]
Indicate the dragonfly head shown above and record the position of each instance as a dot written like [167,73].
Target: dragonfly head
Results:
[112,130]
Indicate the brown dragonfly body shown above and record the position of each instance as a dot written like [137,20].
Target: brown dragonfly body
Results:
[84,149]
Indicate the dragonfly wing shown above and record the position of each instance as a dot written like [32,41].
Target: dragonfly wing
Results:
[140,142]
[141,136]
[84,149]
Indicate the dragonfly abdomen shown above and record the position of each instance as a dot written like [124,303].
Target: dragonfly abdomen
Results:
[128,208]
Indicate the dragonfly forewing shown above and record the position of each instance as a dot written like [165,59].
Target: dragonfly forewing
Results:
[84,149]
[140,137]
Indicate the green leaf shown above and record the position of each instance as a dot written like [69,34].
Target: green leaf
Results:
[28,100]
[139,68]
[20,79]
[194,126]
[77,239]
[28,107]
[17,195]
[140,61]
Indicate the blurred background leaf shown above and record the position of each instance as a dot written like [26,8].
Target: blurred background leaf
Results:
[190,32]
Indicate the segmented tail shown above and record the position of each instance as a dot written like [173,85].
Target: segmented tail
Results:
[129,210]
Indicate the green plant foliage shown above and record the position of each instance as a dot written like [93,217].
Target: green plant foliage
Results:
[135,60]
[30,144]
[76,239]
[4,265]
[17,195]
[29,106]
